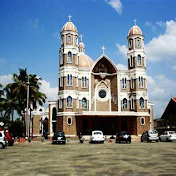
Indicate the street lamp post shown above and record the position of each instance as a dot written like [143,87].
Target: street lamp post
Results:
[27,107]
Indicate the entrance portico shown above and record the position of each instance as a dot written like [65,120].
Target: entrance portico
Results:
[108,124]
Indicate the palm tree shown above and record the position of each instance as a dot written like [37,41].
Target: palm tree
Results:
[36,97]
[19,88]
[10,103]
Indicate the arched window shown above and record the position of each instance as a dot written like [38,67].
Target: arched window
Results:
[69,39]
[85,82]
[69,101]
[69,120]
[132,103]
[82,82]
[141,103]
[139,60]
[124,103]
[131,61]
[142,120]
[141,82]
[130,44]
[84,103]
[132,83]
[124,83]
[54,113]
[69,80]
[69,57]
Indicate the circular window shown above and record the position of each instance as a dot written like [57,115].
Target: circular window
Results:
[142,120]
[102,93]
[69,120]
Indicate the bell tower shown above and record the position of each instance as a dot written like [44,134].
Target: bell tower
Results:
[136,54]
[68,67]
[137,67]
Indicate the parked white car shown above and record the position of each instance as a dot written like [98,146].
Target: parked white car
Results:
[97,137]
[149,136]
[168,136]
[3,140]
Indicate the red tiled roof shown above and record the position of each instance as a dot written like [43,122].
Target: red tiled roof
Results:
[174,99]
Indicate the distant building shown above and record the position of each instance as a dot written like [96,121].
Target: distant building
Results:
[40,121]
[95,95]
[168,119]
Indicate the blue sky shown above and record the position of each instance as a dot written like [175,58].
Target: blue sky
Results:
[30,29]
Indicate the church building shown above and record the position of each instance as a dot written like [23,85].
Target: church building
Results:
[94,94]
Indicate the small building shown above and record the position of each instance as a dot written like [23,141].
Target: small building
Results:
[168,118]
[40,122]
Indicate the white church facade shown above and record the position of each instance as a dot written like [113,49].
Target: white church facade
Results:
[94,94]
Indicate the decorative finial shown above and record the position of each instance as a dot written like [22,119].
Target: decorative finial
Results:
[81,37]
[135,21]
[69,17]
[103,48]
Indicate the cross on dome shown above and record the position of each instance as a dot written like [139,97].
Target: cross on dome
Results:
[135,21]
[103,48]
[81,37]
[69,17]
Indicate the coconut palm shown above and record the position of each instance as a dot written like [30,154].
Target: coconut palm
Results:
[10,104]
[19,88]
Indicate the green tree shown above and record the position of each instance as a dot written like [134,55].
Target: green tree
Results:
[10,104]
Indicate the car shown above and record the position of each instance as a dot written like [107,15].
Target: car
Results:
[97,137]
[59,137]
[149,136]
[3,140]
[123,136]
[168,136]
[9,137]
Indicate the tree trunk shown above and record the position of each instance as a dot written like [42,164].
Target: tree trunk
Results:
[12,114]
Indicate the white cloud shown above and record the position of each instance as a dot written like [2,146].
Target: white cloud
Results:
[51,92]
[121,67]
[149,24]
[160,90]
[122,50]
[2,62]
[6,79]
[174,68]
[116,4]
[161,23]
[163,47]
[34,23]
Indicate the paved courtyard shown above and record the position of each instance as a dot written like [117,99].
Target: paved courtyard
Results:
[42,159]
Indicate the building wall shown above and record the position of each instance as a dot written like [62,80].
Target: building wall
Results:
[36,124]
[69,129]
[142,128]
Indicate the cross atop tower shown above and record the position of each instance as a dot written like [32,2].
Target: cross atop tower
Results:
[135,21]
[103,48]
[81,37]
[69,17]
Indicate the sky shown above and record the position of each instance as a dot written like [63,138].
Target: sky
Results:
[30,38]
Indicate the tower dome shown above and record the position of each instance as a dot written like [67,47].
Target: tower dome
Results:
[69,26]
[85,61]
[135,30]
[81,45]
